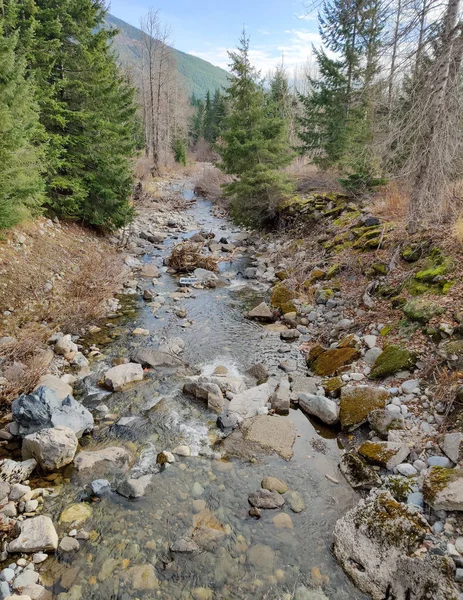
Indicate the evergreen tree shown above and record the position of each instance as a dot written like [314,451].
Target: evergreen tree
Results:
[219,104]
[254,145]
[21,184]
[88,112]
[209,118]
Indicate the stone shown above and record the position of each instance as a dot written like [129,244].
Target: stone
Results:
[173,346]
[106,460]
[100,487]
[280,399]
[305,385]
[66,347]
[134,488]
[17,597]
[290,335]
[318,406]
[261,313]
[143,577]
[274,485]
[357,402]
[443,489]
[439,461]
[411,386]
[371,356]
[271,433]
[43,410]
[69,544]
[184,545]
[261,557]
[76,514]
[451,445]
[384,454]
[370,341]
[119,377]
[150,357]
[150,271]
[266,499]
[182,451]
[375,542]
[12,471]
[392,360]
[39,558]
[140,331]
[282,521]
[330,361]
[37,534]
[247,404]
[52,448]
[61,389]
[7,575]
[5,489]
[382,421]
[258,371]
[358,474]
[9,510]
[205,390]
[407,470]
[25,578]
[18,491]
[421,310]
[295,502]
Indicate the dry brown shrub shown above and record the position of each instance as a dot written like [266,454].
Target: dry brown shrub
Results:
[187,256]
[143,168]
[458,229]
[23,377]
[203,152]
[393,202]
[209,183]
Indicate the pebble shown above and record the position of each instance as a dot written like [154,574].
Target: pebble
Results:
[416,498]
[69,544]
[39,558]
[282,521]
[407,470]
[7,575]
[392,408]
[440,461]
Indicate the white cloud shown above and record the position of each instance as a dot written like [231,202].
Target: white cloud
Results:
[295,47]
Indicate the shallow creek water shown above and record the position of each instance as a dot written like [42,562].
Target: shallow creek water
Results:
[249,559]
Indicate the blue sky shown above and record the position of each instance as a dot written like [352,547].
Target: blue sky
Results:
[207,28]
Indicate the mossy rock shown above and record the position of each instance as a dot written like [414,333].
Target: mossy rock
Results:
[453,350]
[282,297]
[347,218]
[421,310]
[400,487]
[332,360]
[398,302]
[314,353]
[391,360]
[333,386]
[388,291]
[414,252]
[438,265]
[348,341]
[443,488]
[282,275]
[380,268]
[316,275]
[384,454]
[333,271]
[357,472]
[334,212]
[323,295]
[357,402]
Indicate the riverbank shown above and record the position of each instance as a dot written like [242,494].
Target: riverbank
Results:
[203,457]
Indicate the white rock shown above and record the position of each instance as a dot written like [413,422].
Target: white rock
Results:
[323,408]
[140,331]
[407,470]
[66,347]
[120,376]
[52,448]
[248,403]
[412,386]
[370,341]
[39,557]
[60,387]
[103,460]
[394,409]
[182,451]
[25,578]
[37,534]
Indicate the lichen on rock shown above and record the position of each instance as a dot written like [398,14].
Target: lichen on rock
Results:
[422,310]
[330,361]
[357,402]
[282,298]
[393,359]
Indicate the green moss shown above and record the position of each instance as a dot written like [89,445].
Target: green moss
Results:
[333,271]
[347,218]
[357,403]
[421,310]
[282,297]
[334,212]
[376,452]
[281,275]
[385,330]
[399,487]
[314,353]
[333,385]
[391,360]
[348,341]
[316,275]
[413,252]
[330,361]
[437,480]
[380,268]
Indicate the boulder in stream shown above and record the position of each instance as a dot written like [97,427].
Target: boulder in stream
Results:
[119,377]
[52,448]
[150,357]
[36,535]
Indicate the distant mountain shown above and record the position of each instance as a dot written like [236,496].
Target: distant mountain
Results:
[198,75]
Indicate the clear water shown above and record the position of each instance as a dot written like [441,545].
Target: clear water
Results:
[245,558]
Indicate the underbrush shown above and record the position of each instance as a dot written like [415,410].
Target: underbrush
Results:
[209,183]
[53,277]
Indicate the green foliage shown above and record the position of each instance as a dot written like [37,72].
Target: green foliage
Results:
[254,145]
[179,150]
[361,183]
[21,157]
[197,75]
[208,117]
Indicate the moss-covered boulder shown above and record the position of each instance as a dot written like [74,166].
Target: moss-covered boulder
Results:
[316,275]
[421,310]
[282,298]
[443,488]
[330,361]
[413,252]
[392,360]
[453,351]
[384,454]
[333,385]
[357,402]
[314,353]
[357,473]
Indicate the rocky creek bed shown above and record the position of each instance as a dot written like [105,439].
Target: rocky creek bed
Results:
[200,444]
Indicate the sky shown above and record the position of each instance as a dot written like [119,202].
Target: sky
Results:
[208,28]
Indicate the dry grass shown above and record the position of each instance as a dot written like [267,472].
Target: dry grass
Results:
[58,279]
[187,256]
[209,182]
[203,152]
[458,229]
[392,203]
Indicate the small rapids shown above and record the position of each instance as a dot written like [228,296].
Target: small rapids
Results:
[128,554]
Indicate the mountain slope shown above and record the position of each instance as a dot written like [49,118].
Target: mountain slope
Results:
[198,75]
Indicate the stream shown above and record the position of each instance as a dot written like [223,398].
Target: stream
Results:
[130,541]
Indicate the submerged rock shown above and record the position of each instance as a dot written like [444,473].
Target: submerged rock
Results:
[134,488]
[43,410]
[106,460]
[271,433]
[119,377]
[274,485]
[266,499]
[375,542]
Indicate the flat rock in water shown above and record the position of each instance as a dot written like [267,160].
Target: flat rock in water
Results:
[43,409]
[37,534]
[266,499]
[106,460]
[295,502]
[375,542]
[247,404]
[274,485]
[261,313]
[150,357]
[271,433]
[119,377]
[134,488]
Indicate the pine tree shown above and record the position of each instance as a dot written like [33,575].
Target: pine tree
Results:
[21,184]
[88,112]
[209,118]
[254,144]
[219,104]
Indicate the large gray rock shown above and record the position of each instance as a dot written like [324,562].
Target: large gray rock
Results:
[36,535]
[318,406]
[205,390]
[43,409]
[384,454]
[60,387]
[375,542]
[52,448]
[16,472]
[306,385]
[280,400]
[134,488]
[119,377]
[150,357]
[261,313]
[443,488]
[251,402]
[106,460]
